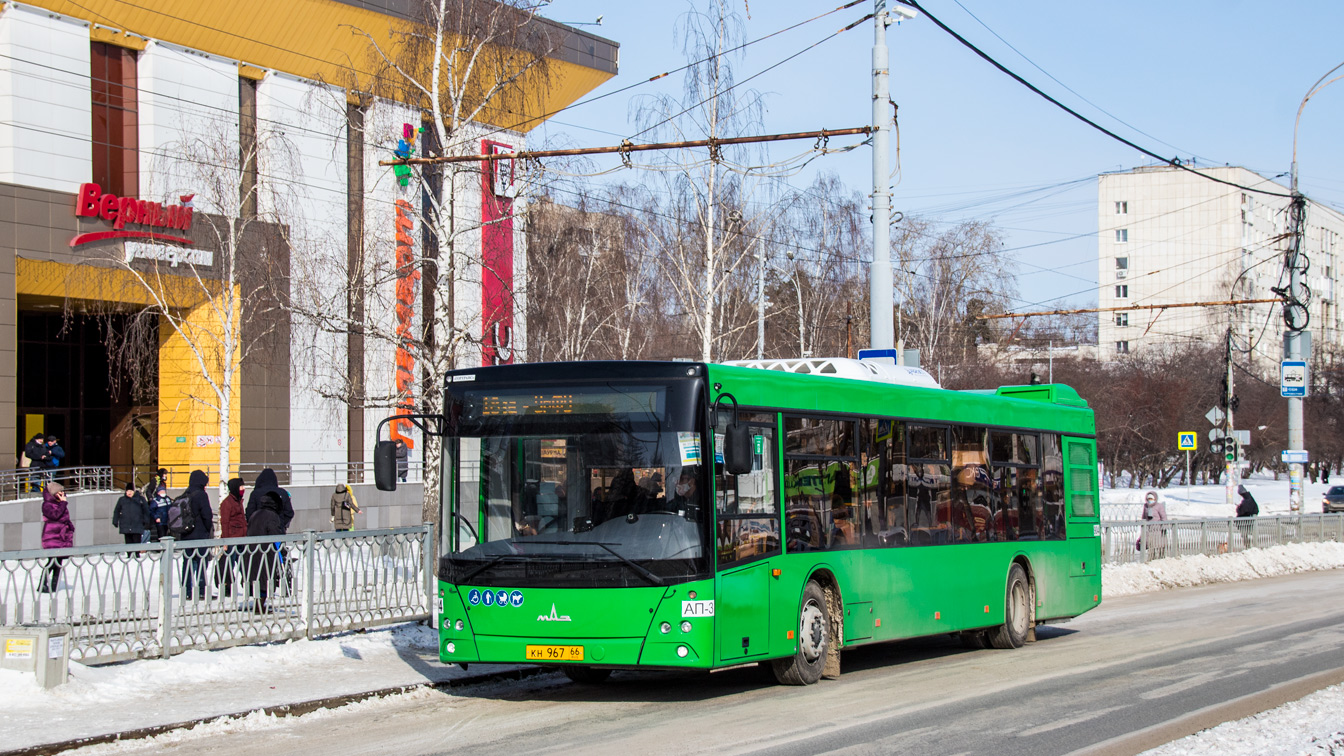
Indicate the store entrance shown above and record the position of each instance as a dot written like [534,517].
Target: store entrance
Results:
[103,411]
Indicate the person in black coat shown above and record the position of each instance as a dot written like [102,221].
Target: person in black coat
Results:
[193,560]
[131,515]
[264,563]
[1247,508]
[265,485]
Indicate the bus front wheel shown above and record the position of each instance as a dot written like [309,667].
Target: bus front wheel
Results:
[1016,612]
[814,622]
[587,675]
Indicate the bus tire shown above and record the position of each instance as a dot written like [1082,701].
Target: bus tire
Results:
[1016,611]
[587,675]
[814,622]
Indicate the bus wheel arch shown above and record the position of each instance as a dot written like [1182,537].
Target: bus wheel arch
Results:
[818,647]
[1018,609]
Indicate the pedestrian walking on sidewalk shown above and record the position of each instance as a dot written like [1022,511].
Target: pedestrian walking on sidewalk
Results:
[1155,529]
[1246,510]
[232,524]
[131,515]
[343,508]
[58,532]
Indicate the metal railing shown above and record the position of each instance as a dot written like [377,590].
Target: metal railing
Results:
[28,482]
[1124,542]
[157,599]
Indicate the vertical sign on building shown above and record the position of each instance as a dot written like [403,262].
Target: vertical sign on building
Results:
[408,278]
[497,196]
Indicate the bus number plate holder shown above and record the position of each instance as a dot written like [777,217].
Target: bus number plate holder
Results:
[554,653]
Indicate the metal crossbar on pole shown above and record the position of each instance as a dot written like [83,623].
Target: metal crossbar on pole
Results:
[627,147]
[999,316]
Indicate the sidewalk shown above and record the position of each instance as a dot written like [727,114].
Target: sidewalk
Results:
[204,684]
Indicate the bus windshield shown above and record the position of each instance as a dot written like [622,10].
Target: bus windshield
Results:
[580,487]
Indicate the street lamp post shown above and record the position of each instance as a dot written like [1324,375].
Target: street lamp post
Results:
[1295,317]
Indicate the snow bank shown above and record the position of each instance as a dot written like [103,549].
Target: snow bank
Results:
[1311,725]
[1183,572]
[151,679]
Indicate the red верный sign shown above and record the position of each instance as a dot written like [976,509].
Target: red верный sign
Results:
[92,202]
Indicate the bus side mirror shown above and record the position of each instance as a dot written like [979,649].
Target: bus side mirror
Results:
[385,465]
[737,452]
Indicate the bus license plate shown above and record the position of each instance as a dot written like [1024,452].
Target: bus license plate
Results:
[555,653]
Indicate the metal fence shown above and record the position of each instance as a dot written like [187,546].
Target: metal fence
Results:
[157,599]
[28,482]
[1139,540]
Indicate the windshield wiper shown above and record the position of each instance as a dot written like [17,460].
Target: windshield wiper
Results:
[467,577]
[637,568]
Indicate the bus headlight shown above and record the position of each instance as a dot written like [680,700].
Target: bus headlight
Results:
[458,627]
[451,648]
[686,626]
[447,623]
[666,627]
[682,651]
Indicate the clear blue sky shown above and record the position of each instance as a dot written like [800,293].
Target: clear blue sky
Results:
[1218,81]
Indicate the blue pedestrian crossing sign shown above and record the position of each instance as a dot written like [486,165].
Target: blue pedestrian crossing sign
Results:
[1187,441]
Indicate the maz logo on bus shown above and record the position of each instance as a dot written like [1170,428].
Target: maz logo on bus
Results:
[553,617]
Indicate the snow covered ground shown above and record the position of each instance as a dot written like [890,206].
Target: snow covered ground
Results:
[1311,725]
[1211,501]
[198,684]
[204,684]
[1184,572]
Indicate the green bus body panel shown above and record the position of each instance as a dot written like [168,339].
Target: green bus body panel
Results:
[886,593]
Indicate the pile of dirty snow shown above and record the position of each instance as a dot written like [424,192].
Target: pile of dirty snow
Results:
[1187,571]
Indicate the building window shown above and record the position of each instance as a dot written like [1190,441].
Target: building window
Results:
[1122,263]
[1122,319]
[1122,291]
[1122,235]
[116,124]
[1122,208]
[1122,347]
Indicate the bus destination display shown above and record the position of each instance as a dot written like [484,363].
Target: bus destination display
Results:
[510,404]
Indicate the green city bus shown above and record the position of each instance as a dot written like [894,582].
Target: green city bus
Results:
[678,515]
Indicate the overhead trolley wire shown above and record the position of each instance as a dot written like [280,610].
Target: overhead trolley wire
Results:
[1173,162]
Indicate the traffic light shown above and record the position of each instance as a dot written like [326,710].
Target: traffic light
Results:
[1230,448]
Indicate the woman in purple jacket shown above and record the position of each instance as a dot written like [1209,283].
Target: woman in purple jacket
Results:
[58,532]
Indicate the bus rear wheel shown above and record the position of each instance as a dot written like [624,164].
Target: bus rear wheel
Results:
[814,622]
[587,675]
[1016,612]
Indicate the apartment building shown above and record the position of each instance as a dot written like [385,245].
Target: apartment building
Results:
[1168,236]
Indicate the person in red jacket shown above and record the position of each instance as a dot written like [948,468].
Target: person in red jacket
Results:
[232,524]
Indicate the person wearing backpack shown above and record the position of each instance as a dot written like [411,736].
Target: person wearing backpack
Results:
[190,518]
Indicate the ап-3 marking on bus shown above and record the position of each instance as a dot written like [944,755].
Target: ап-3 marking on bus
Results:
[697,609]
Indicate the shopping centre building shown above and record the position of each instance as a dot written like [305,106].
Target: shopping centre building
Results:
[190,199]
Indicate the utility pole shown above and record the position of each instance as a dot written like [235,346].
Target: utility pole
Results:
[880,297]
[1229,429]
[760,300]
[1295,317]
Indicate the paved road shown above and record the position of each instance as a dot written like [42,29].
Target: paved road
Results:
[1135,673]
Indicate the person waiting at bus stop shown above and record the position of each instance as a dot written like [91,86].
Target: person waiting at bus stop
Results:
[232,524]
[131,515]
[194,559]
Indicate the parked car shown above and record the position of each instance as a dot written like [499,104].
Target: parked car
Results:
[1333,501]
